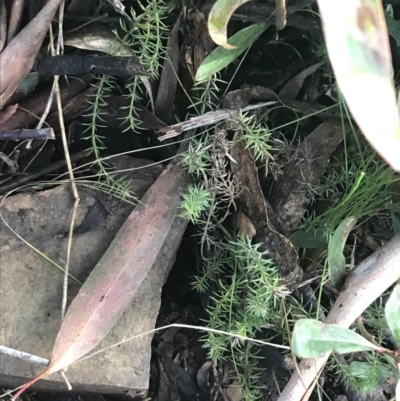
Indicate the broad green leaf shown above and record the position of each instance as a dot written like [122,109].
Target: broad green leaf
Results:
[220,57]
[218,20]
[336,259]
[392,313]
[118,275]
[358,46]
[312,339]
[308,239]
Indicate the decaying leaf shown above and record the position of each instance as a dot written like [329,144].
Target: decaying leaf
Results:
[15,19]
[3,24]
[169,78]
[18,57]
[292,88]
[116,278]
[290,195]
[98,38]
[361,59]
[254,205]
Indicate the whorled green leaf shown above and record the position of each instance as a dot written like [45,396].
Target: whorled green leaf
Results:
[392,313]
[312,339]
[220,57]
[218,20]
[358,46]
[336,259]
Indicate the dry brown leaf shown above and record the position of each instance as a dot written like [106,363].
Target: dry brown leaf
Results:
[18,57]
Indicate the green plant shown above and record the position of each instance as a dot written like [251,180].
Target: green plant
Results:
[239,308]
[145,38]
[195,202]
[256,137]
[229,264]
[102,89]
[222,57]
[362,185]
[312,339]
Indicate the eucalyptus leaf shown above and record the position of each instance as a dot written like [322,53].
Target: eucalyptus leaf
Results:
[392,313]
[312,339]
[218,20]
[357,41]
[336,259]
[220,57]
[98,38]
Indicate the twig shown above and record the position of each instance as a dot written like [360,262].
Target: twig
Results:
[186,326]
[23,355]
[12,165]
[70,170]
[363,331]
[47,170]
[24,134]
[209,118]
[48,107]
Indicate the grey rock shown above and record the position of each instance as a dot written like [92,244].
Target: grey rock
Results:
[31,286]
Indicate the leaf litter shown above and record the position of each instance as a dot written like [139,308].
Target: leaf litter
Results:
[271,215]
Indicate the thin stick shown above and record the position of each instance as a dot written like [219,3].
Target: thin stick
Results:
[25,356]
[187,326]
[70,170]
[69,164]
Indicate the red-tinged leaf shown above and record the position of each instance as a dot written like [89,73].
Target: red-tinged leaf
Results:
[115,280]
[19,55]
